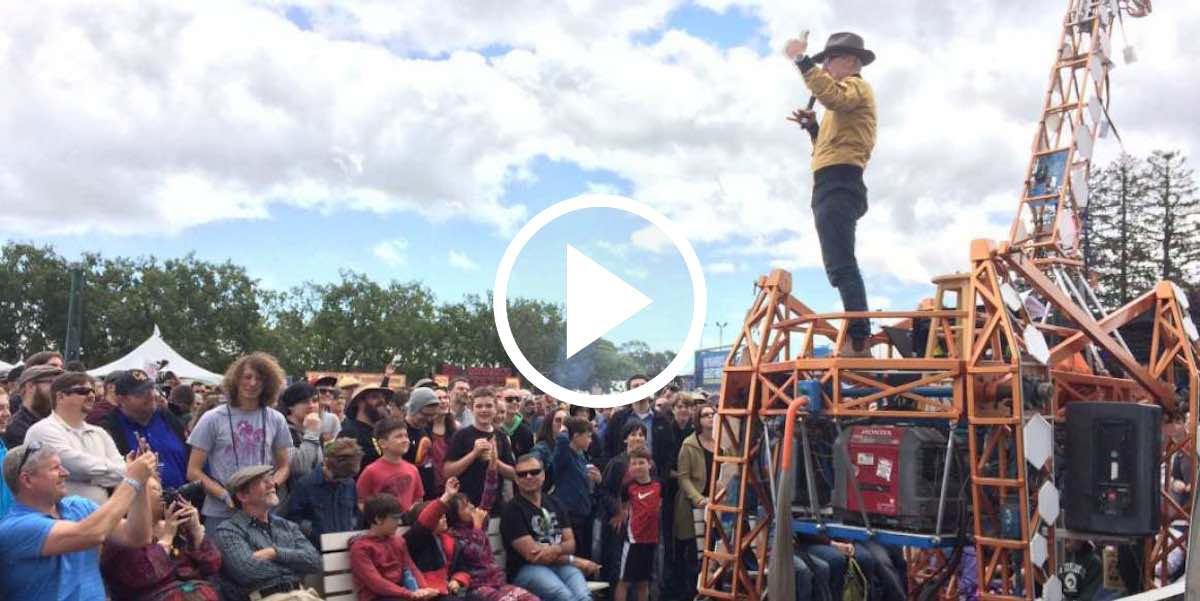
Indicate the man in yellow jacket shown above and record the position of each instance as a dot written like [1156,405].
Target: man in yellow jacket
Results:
[842,145]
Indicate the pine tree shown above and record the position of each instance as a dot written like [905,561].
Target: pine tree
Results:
[1173,217]
[1118,239]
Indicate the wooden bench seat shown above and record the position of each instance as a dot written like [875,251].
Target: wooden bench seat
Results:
[335,562]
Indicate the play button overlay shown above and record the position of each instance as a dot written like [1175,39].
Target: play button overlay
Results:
[597,301]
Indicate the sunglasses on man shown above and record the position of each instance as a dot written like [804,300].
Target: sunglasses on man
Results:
[529,473]
[30,449]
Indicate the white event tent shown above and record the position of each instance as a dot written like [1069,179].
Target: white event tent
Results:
[152,351]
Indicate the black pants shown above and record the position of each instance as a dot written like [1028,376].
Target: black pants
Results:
[839,200]
[582,527]
[687,570]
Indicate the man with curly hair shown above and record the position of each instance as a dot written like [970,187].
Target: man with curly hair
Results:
[241,433]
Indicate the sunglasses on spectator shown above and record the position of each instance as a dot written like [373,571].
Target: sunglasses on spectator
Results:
[80,390]
[529,473]
[30,449]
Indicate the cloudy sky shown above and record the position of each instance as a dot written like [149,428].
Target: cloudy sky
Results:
[411,139]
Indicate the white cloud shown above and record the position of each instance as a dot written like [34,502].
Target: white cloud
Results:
[164,115]
[720,267]
[879,303]
[603,188]
[393,252]
[462,261]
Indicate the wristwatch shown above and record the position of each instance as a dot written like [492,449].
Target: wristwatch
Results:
[134,484]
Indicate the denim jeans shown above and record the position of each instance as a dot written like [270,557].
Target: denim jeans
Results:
[835,566]
[886,577]
[557,583]
[839,200]
[804,579]
[812,578]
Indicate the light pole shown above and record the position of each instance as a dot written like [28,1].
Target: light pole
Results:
[721,332]
[74,314]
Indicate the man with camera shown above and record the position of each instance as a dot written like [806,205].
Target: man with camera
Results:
[138,416]
[49,541]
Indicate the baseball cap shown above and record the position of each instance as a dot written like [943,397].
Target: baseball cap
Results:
[420,399]
[132,382]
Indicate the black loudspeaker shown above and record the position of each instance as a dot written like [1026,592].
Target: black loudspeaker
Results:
[1113,468]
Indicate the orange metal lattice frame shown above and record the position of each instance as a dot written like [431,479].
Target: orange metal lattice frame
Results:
[1173,360]
[730,538]
[1073,114]
[1000,475]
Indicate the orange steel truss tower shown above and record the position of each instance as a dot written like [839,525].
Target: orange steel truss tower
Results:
[1011,343]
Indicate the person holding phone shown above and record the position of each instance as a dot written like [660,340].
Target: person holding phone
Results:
[50,540]
[176,564]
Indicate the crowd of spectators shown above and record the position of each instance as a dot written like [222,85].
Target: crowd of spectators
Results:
[148,488]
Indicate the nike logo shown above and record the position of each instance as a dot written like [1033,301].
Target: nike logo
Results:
[642,495]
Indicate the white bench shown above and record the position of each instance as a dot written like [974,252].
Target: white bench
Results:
[335,561]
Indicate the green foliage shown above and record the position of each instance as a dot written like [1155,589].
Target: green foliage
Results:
[1142,225]
[211,313]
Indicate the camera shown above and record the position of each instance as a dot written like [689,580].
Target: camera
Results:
[188,492]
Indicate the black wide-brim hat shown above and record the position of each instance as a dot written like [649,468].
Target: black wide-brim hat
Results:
[845,42]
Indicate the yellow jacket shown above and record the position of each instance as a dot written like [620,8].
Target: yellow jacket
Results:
[847,132]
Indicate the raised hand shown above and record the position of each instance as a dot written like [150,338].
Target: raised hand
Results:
[795,47]
[479,516]
[191,517]
[481,445]
[142,467]
[170,525]
[803,117]
[312,422]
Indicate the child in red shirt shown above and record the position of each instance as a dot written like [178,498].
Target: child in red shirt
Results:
[641,501]
[391,474]
[379,559]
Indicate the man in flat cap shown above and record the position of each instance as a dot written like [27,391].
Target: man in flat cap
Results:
[842,145]
[34,386]
[264,557]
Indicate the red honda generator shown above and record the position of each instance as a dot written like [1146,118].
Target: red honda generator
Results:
[897,473]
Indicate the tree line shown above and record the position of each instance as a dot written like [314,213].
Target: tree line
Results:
[213,312]
[1142,225]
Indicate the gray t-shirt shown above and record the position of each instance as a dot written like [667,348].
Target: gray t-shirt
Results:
[330,424]
[259,433]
